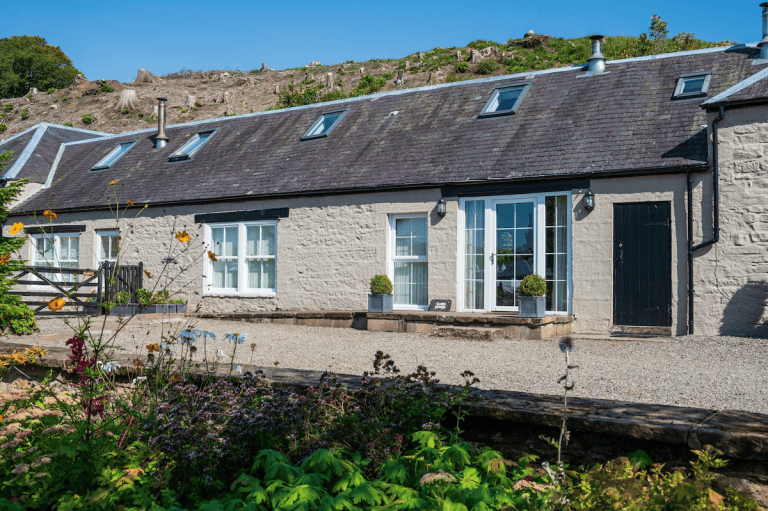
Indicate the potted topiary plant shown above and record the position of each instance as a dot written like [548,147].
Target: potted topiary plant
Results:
[531,294]
[380,299]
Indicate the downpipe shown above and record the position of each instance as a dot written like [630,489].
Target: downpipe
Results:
[715,213]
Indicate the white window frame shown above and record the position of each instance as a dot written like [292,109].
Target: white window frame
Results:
[112,233]
[392,258]
[57,277]
[493,101]
[242,261]
[490,245]
[115,155]
[679,94]
[185,154]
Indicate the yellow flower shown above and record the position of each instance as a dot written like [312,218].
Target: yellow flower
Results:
[4,258]
[16,228]
[50,215]
[149,275]
[138,363]
[153,348]
[212,256]
[112,183]
[56,304]
[183,236]
[130,202]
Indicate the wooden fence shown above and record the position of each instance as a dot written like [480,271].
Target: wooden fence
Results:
[117,278]
[48,283]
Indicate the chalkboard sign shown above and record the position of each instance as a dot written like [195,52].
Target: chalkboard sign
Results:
[440,305]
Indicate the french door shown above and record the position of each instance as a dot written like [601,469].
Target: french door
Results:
[513,254]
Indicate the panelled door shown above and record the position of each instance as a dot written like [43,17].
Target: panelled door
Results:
[642,264]
[513,255]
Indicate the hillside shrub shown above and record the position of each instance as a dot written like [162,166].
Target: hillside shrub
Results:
[51,90]
[291,95]
[25,114]
[68,124]
[487,67]
[8,107]
[87,119]
[368,84]
[481,44]
[29,61]
[461,67]
[3,126]
[106,87]
[381,285]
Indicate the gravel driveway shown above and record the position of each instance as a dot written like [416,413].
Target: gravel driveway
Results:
[696,371]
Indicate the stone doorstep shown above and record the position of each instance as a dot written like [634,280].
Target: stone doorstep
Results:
[742,435]
[469,333]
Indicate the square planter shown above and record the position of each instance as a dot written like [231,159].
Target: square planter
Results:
[532,306]
[380,303]
[181,308]
[124,310]
[164,308]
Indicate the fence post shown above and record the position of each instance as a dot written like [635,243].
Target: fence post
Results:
[98,292]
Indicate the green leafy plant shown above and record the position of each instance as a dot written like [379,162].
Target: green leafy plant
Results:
[123,297]
[25,114]
[144,297]
[68,124]
[3,126]
[381,285]
[487,67]
[106,87]
[532,285]
[125,111]
[8,107]
[368,84]
[87,119]
[51,90]
[461,67]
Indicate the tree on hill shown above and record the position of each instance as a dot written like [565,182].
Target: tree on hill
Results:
[29,61]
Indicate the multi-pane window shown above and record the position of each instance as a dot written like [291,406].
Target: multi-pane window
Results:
[57,251]
[245,256]
[409,261]
[556,247]
[514,249]
[474,267]
[108,249]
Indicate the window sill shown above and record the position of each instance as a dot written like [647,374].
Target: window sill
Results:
[410,307]
[249,294]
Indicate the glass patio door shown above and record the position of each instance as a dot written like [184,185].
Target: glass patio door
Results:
[513,255]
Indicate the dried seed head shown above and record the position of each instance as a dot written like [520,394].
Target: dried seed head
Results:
[567,345]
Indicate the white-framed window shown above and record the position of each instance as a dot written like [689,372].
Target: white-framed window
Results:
[56,251]
[324,125]
[114,155]
[193,145]
[408,260]
[108,248]
[692,85]
[505,100]
[503,238]
[246,258]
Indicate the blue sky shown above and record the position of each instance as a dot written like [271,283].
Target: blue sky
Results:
[112,39]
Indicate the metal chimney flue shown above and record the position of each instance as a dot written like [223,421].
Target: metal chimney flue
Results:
[596,61]
[763,44]
[161,139]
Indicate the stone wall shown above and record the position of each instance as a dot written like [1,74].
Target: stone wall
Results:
[731,278]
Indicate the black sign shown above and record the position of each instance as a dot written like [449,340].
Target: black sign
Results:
[440,305]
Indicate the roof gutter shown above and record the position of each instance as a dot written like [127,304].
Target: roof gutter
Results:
[715,214]
[699,167]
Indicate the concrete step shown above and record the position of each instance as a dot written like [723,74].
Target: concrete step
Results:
[469,333]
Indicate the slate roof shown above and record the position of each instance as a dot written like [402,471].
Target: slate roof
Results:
[624,121]
[750,90]
[35,149]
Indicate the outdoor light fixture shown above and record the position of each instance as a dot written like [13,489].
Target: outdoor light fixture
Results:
[441,207]
[589,200]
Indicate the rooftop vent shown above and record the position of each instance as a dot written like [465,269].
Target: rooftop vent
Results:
[763,44]
[161,139]
[596,61]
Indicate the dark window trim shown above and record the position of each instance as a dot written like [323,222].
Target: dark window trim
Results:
[306,135]
[678,94]
[561,185]
[242,216]
[54,229]
[526,86]
[187,157]
[107,167]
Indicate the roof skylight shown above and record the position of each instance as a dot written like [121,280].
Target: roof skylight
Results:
[193,145]
[692,85]
[114,155]
[505,100]
[324,125]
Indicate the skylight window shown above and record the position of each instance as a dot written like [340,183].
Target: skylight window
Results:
[692,85]
[324,125]
[114,155]
[505,100]
[193,145]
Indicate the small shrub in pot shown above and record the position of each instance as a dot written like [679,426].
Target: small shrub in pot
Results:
[531,294]
[380,299]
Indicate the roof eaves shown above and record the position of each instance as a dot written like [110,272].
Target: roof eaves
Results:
[760,75]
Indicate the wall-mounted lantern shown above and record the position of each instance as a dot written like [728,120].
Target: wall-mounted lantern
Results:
[589,200]
[441,207]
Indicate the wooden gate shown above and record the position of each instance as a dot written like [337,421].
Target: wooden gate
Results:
[80,289]
[642,264]
[117,278]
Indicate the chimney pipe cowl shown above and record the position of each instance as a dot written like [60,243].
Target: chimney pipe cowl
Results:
[596,60]
[161,139]
[763,44]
